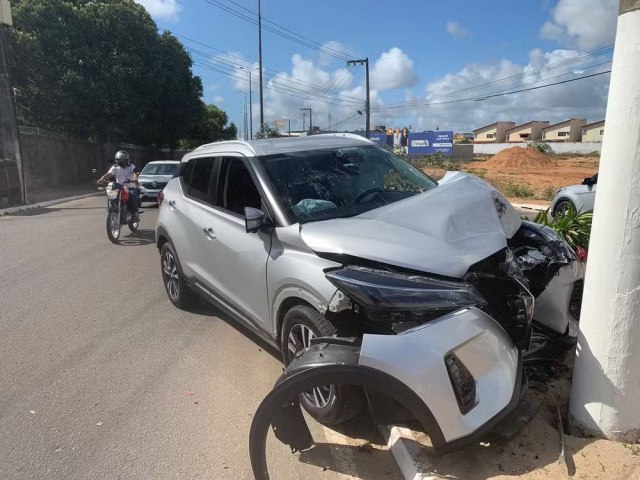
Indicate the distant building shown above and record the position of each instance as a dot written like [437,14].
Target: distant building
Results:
[567,131]
[593,132]
[494,133]
[527,132]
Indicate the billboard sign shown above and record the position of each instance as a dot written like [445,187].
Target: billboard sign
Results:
[428,143]
[279,123]
[379,137]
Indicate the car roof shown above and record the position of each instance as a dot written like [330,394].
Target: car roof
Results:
[271,146]
[158,162]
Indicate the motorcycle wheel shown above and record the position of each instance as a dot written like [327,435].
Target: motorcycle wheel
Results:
[113,226]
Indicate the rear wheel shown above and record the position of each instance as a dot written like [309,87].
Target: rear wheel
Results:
[113,226]
[177,289]
[329,404]
[563,207]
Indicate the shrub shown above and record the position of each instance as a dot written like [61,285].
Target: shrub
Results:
[511,190]
[548,193]
[542,147]
[574,227]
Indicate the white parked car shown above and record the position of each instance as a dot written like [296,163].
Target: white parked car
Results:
[154,177]
[579,197]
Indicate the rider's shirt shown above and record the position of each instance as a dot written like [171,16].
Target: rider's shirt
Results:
[123,174]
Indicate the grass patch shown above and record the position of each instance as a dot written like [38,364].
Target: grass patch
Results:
[548,193]
[511,190]
[478,172]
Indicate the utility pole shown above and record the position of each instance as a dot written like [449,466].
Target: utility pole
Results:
[310,119]
[367,105]
[246,130]
[260,60]
[329,122]
[9,135]
[250,107]
[606,390]
[304,116]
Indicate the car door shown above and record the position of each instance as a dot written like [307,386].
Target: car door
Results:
[233,261]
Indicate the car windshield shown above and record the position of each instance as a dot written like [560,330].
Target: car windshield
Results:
[160,169]
[334,183]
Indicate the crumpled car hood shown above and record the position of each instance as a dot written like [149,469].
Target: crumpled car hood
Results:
[443,231]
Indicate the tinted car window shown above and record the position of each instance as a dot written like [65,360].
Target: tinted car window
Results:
[201,178]
[236,188]
[343,182]
[186,169]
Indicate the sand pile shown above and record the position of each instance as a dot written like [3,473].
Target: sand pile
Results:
[518,158]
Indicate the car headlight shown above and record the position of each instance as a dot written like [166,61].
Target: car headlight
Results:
[399,297]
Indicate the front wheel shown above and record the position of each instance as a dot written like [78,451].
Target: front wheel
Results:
[563,207]
[175,285]
[113,226]
[329,404]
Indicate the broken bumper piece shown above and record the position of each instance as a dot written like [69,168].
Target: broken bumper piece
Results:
[458,376]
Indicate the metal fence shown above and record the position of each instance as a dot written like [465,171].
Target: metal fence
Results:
[25,130]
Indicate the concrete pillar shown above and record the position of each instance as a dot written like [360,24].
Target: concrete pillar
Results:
[605,397]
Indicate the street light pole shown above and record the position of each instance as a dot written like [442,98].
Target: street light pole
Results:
[605,390]
[310,120]
[367,105]
[9,136]
[250,107]
[260,60]
[246,133]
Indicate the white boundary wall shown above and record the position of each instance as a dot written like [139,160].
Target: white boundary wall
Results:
[560,147]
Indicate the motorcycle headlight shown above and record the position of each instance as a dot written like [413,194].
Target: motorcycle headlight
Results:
[112,193]
[398,297]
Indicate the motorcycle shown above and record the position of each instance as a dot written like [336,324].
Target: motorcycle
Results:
[118,213]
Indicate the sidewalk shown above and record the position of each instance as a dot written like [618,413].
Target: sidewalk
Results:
[47,197]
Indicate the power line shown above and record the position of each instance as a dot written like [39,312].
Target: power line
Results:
[502,93]
[306,43]
[246,64]
[324,47]
[511,78]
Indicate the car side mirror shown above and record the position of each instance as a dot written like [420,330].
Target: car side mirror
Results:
[254,219]
[587,181]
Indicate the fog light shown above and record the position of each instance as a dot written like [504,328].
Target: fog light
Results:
[464,385]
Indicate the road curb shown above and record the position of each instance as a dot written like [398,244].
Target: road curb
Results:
[407,453]
[529,206]
[48,203]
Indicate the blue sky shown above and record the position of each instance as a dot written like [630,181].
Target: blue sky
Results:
[423,52]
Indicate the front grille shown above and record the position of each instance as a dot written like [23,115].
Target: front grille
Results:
[151,185]
[464,385]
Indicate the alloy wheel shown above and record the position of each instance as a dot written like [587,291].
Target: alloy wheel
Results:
[300,338]
[170,274]
[115,225]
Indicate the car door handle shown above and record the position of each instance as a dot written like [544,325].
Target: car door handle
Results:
[172,203]
[209,233]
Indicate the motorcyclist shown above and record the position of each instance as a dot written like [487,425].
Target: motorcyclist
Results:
[126,174]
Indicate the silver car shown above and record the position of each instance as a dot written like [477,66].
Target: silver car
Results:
[577,197]
[332,236]
[154,177]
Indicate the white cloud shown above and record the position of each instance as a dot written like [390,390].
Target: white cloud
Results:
[394,69]
[586,24]
[333,47]
[218,99]
[456,30]
[164,9]
[580,99]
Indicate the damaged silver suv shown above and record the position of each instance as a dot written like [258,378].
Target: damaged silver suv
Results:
[331,238]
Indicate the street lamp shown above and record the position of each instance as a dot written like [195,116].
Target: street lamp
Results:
[246,137]
[250,71]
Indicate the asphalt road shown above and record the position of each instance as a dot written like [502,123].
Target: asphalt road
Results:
[102,378]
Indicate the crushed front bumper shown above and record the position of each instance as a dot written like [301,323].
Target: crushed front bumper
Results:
[410,370]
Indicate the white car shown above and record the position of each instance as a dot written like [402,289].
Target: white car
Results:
[579,197]
[331,238]
[154,177]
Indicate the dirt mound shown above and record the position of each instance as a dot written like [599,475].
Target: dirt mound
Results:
[518,158]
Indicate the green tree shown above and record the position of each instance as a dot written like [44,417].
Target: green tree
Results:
[210,127]
[267,131]
[98,69]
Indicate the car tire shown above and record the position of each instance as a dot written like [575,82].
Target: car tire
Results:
[175,285]
[332,404]
[562,207]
